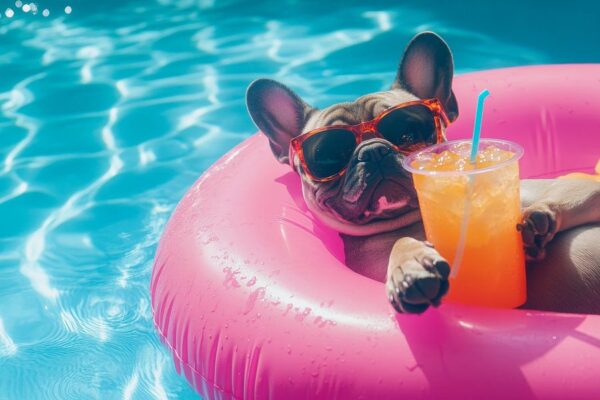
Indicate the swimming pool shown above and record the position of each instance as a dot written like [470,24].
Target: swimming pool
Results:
[110,112]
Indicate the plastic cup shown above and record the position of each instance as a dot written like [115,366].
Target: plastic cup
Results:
[478,207]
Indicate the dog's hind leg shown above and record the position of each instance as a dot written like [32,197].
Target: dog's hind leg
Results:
[568,279]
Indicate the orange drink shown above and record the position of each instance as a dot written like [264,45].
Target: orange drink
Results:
[470,212]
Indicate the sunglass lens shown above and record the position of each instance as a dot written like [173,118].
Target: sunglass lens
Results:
[408,126]
[328,152]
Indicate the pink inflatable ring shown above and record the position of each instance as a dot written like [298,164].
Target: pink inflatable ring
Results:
[251,295]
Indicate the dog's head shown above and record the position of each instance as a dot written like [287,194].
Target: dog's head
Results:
[375,194]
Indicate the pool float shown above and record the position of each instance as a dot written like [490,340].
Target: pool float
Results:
[251,295]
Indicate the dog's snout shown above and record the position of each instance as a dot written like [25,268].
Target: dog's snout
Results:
[373,151]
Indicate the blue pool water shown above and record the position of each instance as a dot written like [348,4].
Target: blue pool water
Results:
[109,113]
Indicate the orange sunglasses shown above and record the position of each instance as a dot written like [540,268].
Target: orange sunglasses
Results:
[325,152]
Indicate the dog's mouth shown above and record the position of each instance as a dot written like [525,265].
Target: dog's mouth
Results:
[384,204]
[389,199]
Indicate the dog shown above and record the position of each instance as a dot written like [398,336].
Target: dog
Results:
[373,203]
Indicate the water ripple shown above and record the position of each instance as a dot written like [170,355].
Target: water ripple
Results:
[7,346]
[19,97]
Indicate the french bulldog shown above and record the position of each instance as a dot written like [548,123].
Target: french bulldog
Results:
[374,204]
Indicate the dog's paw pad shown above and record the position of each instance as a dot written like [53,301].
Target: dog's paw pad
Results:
[535,253]
[438,265]
[537,228]
[415,292]
[420,291]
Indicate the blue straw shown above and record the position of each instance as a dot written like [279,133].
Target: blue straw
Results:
[477,127]
[464,226]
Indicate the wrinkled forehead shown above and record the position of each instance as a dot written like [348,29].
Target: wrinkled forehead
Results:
[362,109]
[389,98]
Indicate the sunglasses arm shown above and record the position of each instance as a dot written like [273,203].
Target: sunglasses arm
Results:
[291,153]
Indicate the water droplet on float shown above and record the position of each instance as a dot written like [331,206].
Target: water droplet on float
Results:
[413,367]
[258,294]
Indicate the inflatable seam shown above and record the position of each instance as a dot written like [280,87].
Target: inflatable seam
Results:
[179,359]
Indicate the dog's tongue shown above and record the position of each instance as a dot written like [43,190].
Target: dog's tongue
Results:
[386,199]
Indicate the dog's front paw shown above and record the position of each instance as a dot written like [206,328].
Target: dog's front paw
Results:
[418,281]
[538,227]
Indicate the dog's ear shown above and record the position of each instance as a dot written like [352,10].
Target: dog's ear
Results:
[426,71]
[278,112]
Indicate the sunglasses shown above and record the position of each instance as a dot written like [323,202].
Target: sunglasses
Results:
[325,152]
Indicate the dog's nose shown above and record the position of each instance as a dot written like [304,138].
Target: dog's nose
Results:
[373,151]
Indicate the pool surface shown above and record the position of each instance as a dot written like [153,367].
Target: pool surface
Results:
[109,110]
